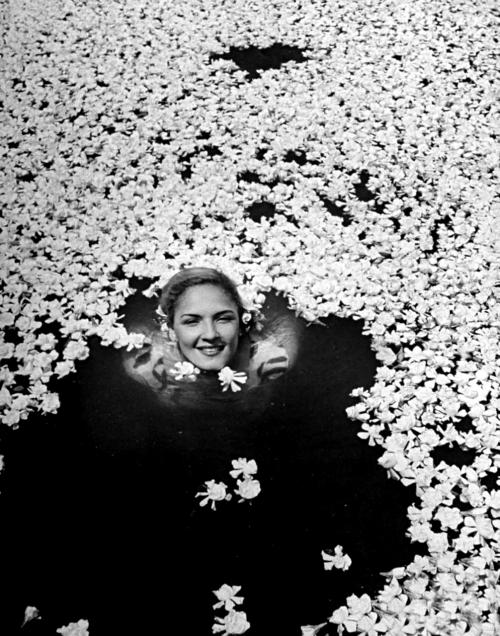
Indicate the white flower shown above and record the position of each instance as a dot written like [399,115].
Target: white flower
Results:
[231,379]
[338,560]
[227,597]
[248,488]
[30,613]
[233,623]
[75,629]
[214,492]
[243,467]
[184,371]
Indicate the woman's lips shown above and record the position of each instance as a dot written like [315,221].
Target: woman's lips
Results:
[211,351]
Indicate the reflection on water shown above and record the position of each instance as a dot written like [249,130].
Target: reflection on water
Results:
[103,522]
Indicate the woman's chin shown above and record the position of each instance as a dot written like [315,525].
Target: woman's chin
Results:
[210,363]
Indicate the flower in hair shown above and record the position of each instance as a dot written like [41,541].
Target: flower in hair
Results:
[231,379]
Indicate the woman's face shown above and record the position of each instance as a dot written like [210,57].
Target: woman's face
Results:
[206,323]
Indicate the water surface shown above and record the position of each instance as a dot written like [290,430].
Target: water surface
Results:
[102,521]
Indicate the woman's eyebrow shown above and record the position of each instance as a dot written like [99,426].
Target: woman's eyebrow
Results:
[219,313]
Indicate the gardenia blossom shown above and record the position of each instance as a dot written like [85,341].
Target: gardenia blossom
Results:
[231,379]
[184,371]
[248,489]
[214,492]
[30,613]
[233,623]
[243,467]
[338,560]
[227,596]
[75,629]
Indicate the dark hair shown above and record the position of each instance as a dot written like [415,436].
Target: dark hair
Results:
[191,276]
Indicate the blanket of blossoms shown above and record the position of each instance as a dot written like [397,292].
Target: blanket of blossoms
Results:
[134,142]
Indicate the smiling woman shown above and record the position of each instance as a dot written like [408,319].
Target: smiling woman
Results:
[205,333]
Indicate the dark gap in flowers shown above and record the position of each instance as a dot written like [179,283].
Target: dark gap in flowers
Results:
[118,273]
[444,222]
[249,177]
[335,210]
[140,284]
[212,151]
[204,135]
[254,60]
[465,425]
[299,157]
[261,209]
[28,177]
[12,145]
[397,223]
[187,171]
[454,456]
[109,129]
[490,482]
[18,82]
[360,189]
[196,223]
[48,164]
[461,505]
[162,138]
[261,153]
[362,235]
[426,82]
[397,57]
[10,335]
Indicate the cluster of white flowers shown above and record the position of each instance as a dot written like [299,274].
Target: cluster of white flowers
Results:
[234,622]
[247,488]
[395,111]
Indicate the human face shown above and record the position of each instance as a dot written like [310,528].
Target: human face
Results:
[206,323]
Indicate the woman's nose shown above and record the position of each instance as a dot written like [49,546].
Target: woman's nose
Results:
[210,330]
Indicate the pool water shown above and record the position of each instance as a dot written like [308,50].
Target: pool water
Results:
[102,522]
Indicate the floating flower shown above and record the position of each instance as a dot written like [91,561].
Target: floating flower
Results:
[227,597]
[75,629]
[214,492]
[248,488]
[184,371]
[233,623]
[30,613]
[338,560]
[243,467]
[231,379]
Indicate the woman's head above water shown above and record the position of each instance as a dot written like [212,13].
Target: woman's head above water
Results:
[204,309]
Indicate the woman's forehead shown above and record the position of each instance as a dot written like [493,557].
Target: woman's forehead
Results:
[205,298]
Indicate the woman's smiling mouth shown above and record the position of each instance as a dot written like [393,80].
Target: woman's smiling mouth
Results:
[211,351]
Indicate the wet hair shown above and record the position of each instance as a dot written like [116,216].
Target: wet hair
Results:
[191,276]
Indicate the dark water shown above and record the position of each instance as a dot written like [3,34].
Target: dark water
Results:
[101,520]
